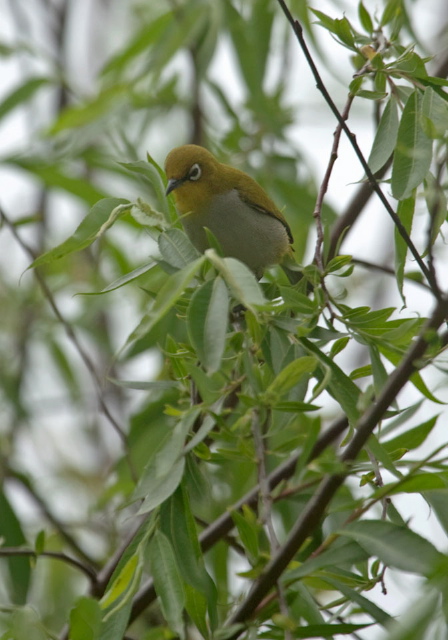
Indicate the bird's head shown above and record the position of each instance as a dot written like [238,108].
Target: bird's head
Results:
[192,173]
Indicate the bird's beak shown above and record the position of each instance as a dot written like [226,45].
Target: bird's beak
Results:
[173,184]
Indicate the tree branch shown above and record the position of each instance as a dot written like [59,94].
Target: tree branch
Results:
[297,27]
[220,528]
[316,507]
[8,552]
[324,186]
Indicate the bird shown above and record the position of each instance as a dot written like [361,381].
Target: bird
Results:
[233,206]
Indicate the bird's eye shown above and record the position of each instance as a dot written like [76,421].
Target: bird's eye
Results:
[195,172]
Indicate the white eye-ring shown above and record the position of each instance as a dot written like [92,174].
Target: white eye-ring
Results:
[195,172]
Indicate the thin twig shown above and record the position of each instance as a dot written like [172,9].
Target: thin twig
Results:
[317,213]
[52,519]
[391,272]
[15,552]
[265,509]
[297,27]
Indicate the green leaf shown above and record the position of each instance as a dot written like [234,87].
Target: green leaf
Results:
[354,597]
[392,10]
[339,384]
[290,376]
[116,616]
[435,114]
[124,585]
[338,346]
[196,606]
[322,630]
[342,552]
[240,280]
[385,137]
[101,216]
[325,21]
[344,31]
[415,379]
[163,472]
[53,177]
[177,522]
[85,619]
[250,39]
[417,483]
[248,530]
[394,545]
[169,293]
[412,438]
[436,202]
[90,111]
[413,153]
[371,95]
[139,44]
[438,501]
[167,581]
[152,175]
[21,95]
[176,248]
[405,212]
[12,535]
[298,301]
[123,280]
[39,543]
[364,18]
[207,322]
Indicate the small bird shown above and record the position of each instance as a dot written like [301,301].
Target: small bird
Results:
[244,220]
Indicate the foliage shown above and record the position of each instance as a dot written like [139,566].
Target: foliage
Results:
[247,479]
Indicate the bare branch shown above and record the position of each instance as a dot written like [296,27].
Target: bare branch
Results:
[317,213]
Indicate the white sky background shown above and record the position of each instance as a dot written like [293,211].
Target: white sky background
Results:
[313,132]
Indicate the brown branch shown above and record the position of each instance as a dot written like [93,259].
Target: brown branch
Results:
[391,272]
[297,28]
[8,552]
[346,220]
[220,528]
[316,507]
[317,213]
[52,519]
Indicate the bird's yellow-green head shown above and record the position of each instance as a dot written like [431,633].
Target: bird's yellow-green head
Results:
[194,175]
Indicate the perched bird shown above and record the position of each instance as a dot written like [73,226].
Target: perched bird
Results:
[244,220]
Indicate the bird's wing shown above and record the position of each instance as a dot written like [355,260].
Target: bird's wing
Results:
[274,213]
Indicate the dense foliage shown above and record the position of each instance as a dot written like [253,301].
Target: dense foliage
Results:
[187,451]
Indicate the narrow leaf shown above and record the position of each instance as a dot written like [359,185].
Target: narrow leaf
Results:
[394,545]
[85,619]
[413,153]
[207,322]
[291,375]
[85,234]
[21,95]
[405,212]
[167,581]
[241,280]
[338,383]
[176,248]
[385,138]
